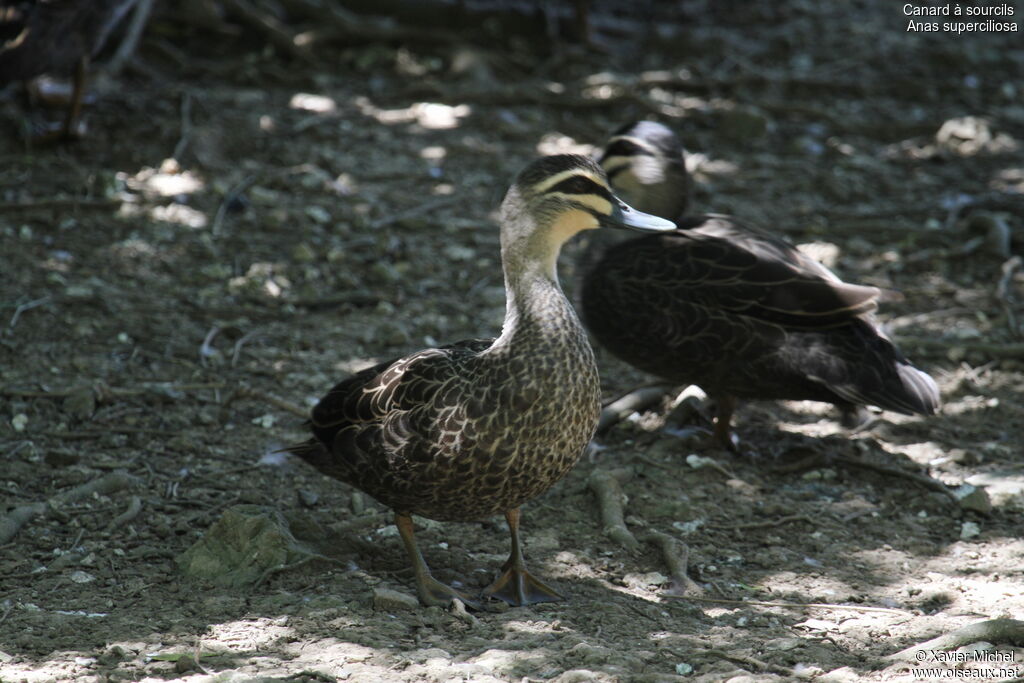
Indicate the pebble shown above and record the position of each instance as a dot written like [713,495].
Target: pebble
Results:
[969,530]
[973,498]
[388,600]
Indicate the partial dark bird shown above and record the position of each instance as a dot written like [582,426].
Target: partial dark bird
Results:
[55,37]
[731,308]
[467,431]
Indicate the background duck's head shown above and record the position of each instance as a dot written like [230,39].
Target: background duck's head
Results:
[556,197]
[645,163]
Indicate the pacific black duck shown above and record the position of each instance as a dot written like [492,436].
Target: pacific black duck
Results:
[735,310]
[466,431]
[53,37]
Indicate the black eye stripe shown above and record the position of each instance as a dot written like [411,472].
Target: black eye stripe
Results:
[626,148]
[579,184]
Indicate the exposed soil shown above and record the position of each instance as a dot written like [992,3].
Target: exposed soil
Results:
[239,230]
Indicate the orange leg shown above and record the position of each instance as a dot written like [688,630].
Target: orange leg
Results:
[431,591]
[516,585]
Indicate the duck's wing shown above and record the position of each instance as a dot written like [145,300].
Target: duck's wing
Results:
[399,384]
[382,409]
[729,266]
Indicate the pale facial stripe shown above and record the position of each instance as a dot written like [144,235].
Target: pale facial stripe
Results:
[555,179]
[598,205]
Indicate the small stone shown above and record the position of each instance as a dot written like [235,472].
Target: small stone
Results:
[80,402]
[1004,488]
[743,124]
[303,253]
[318,214]
[973,498]
[969,530]
[19,422]
[185,663]
[846,674]
[388,600]
[81,577]
[784,644]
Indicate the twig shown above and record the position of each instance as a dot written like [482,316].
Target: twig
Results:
[28,306]
[993,350]
[921,479]
[276,569]
[61,204]
[995,631]
[162,388]
[134,508]
[233,194]
[788,605]
[11,524]
[418,210]
[818,459]
[1004,292]
[610,499]
[361,522]
[347,26]
[633,402]
[249,392]
[252,334]
[186,127]
[743,660]
[98,433]
[676,555]
[761,525]
[126,50]
[274,31]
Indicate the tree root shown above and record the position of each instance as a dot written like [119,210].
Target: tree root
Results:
[995,631]
[633,402]
[611,499]
[788,605]
[12,523]
[134,508]
[676,555]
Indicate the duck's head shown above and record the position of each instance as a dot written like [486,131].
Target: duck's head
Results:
[556,197]
[645,164]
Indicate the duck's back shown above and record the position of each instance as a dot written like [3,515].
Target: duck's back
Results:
[742,313]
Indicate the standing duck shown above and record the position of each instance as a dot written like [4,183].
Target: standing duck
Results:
[735,310]
[477,428]
[54,36]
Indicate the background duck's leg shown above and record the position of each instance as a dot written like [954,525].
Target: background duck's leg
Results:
[71,131]
[431,591]
[725,405]
[516,585]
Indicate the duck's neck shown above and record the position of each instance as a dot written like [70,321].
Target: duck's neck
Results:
[534,301]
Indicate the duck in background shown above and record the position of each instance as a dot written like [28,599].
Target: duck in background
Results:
[53,37]
[731,308]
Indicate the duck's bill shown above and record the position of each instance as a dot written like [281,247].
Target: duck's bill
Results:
[625,216]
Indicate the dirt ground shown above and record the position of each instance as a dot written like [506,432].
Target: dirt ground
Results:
[240,229]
